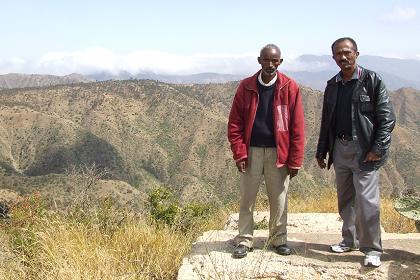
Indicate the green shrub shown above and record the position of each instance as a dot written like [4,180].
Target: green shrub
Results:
[163,207]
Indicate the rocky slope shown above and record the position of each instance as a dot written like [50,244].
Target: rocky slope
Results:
[147,132]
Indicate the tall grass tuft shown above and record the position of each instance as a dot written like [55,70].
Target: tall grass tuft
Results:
[55,245]
[97,239]
[136,250]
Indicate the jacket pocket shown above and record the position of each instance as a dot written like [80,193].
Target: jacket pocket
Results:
[283,118]
[366,104]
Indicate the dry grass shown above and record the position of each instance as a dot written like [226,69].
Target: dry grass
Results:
[392,221]
[326,202]
[10,265]
[57,247]
[318,202]
[135,251]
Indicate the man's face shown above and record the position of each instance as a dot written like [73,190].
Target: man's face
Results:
[269,60]
[345,56]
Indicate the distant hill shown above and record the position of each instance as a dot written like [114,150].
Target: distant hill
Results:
[200,78]
[309,70]
[14,80]
[396,73]
[148,132]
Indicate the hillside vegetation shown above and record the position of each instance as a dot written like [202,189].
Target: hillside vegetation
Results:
[15,80]
[147,133]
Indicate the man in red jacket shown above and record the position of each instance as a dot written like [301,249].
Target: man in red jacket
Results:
[266,133]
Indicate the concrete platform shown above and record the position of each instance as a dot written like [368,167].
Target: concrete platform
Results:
[211,258]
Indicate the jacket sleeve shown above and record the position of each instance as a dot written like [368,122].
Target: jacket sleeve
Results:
[384,119]
[297,132]
[322,147]
[236,126]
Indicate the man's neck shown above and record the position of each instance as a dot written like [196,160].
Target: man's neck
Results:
[348,74]
[267,79]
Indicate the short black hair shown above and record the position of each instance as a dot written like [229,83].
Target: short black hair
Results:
[344,39]
[270,46]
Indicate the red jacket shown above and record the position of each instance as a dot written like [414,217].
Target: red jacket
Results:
[288,120]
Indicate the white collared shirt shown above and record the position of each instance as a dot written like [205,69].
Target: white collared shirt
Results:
[269,83]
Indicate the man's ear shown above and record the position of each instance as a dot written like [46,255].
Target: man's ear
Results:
[259,60]
[281,61]
[357,54]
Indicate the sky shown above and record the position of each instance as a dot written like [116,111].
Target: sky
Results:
[186,36]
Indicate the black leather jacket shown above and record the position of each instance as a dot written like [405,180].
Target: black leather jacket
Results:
[372,117]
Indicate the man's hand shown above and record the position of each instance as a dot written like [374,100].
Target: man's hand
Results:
[371,156]
[292,172]
[242,165]
[321,163]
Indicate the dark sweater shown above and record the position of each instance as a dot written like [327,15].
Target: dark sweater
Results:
[343,108]
[263,130]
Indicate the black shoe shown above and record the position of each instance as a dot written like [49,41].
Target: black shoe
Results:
[241,251]
[283,250]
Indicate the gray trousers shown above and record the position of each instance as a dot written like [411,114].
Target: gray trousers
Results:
[358,200]
[262,161]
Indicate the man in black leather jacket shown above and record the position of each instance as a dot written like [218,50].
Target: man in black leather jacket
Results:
[356,126]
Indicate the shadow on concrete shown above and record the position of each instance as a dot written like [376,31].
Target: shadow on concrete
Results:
[321,251]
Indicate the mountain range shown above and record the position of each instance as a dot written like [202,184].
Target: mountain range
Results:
[309,70]
[149,133]
[396,73]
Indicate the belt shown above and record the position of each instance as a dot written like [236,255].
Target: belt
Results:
[345,137]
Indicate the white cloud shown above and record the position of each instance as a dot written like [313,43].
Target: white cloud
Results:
[12,65]
[99,59]
[87,61]
[399,14]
